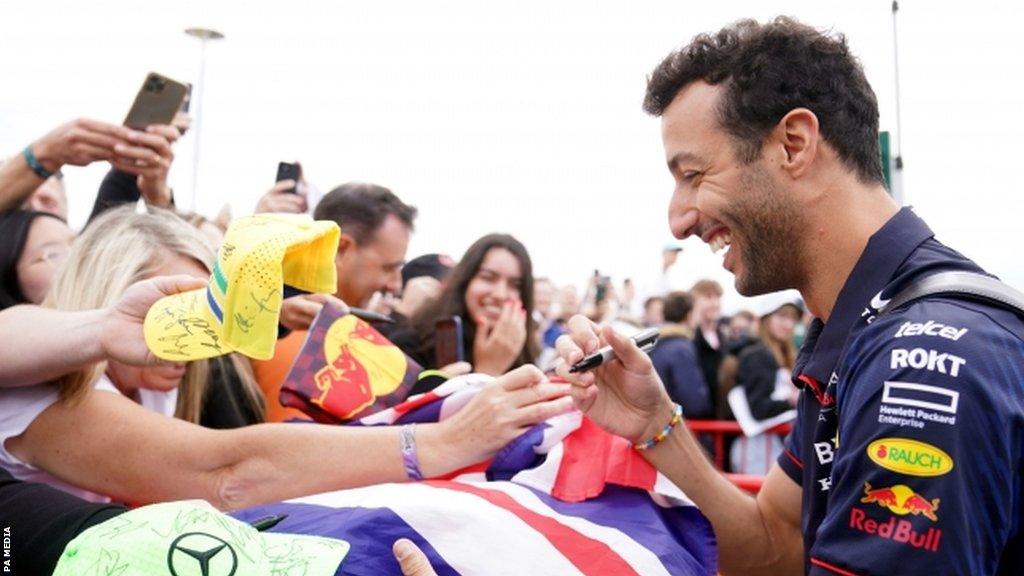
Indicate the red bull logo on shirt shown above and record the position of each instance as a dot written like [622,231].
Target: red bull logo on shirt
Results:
[901,531]
[909,457]
[902,500]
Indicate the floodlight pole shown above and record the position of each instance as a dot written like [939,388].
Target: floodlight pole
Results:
[896,68]
[204,35]
[896,170]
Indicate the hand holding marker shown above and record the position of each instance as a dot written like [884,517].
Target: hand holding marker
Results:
[644,340]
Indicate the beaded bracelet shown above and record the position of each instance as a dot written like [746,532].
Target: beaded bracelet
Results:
[677,417]
[409,459]
[34,164]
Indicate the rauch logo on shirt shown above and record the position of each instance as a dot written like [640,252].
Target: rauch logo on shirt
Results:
[909,457]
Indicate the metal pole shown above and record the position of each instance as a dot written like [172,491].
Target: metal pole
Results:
[204,35]
[199,121]
[896,68]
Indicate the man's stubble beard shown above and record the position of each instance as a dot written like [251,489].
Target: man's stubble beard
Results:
[771,227]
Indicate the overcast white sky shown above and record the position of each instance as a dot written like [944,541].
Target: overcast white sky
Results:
[522,117]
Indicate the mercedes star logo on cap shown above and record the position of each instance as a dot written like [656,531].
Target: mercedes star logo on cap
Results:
[199,554]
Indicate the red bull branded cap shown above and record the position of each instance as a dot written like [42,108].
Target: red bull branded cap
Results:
[263,257]
[192,538]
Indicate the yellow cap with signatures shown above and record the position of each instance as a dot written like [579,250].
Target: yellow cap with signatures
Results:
[262,256]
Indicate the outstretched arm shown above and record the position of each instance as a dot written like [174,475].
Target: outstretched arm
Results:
[48,343]
[108,444]
[755,535]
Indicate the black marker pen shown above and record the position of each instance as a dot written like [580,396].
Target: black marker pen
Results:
[370,316]
[645,340]
[267,522]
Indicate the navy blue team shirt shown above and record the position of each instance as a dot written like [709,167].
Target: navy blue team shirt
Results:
[908,444]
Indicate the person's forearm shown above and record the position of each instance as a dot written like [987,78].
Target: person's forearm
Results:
[747,542]
[43,344]
[137,456]
[159,195]
[17,182]
[275,462]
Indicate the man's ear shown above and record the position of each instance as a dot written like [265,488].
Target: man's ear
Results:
[345,243]
[798,137]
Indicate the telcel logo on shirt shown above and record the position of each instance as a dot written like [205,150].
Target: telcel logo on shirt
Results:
[930,328]
[909,457]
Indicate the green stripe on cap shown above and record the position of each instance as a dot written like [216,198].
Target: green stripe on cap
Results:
[218,277]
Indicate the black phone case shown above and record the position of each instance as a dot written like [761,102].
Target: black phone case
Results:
[288,171]
[448,347]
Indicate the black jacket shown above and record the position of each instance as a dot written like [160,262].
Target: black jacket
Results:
[42,520]
[710,359]
[116,189]
[756,374]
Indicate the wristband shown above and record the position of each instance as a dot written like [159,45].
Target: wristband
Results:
[677,417]
[33,163]
[407,434]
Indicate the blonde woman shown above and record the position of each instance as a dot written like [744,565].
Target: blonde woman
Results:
[121,248]
[76,433]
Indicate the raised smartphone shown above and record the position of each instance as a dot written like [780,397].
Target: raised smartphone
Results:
[157,102]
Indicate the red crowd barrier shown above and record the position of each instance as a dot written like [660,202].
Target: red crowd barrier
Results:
[719,430]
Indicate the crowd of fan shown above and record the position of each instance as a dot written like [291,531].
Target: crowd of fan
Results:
[54,394]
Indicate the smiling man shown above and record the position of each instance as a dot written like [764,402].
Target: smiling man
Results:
[375,229]
[906,454]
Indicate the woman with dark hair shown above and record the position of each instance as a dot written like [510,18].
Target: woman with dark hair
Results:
[491,290]
[32,245]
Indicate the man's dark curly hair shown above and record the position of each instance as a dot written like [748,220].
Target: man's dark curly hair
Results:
[768,70]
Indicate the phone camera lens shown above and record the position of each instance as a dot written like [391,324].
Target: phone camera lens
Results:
[154,84]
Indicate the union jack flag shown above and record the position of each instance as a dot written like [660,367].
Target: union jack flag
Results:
[563,498]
